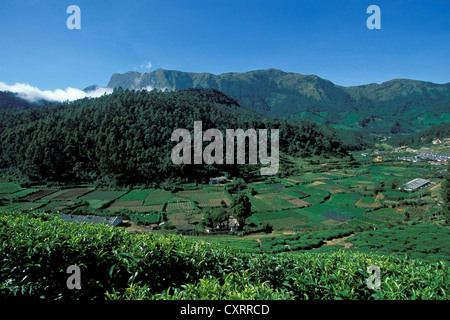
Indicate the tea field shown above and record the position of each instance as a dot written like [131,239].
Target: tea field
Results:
[36,248]
[304,210]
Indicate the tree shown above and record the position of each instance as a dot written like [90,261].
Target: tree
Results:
[241,208]
[445,194]
[216,217]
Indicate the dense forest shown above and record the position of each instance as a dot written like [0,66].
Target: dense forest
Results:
[11,101]
[124,138]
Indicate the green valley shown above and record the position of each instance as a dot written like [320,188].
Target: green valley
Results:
[213,231]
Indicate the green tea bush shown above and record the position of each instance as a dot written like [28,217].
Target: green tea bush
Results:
[37,248]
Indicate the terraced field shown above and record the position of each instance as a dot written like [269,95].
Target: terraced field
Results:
[338,198]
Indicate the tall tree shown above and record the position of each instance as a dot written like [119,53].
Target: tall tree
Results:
[241,208]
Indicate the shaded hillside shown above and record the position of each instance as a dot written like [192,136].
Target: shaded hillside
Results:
[395,106]
[10,101]
[424,137]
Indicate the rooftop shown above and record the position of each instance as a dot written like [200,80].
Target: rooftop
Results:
[415,184]
[111,221]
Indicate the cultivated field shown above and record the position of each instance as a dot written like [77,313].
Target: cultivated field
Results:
[332,201]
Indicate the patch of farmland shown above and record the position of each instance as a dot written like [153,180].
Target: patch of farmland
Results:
[295,179]
[366,221]
[298,202]
[100,204]
[282,219]
[334,216]
[25,206]
[277,203]
[140,208]
[315,213]
[317,197]
[331,176]
[9,187]
[70,194]
[217,202]
[19,194]
[135,195]
[156,207]
[345,198]
[384,214]
[124,204]
[312,176]
[53,196]
[38,195]
[214,202]
[286,223]
[93,201]
[8,207]
[297,192]
[213,188]
[53,206]
[157,196]
[330,222]
[103,195]
[368,202]
[179,218]
[316,183]
[205,199]
[259,205]
[182,205]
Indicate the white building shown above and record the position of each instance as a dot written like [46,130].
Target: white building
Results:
[416,184]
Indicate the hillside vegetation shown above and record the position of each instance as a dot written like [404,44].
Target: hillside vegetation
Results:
[125,138]
[37,248]
[426,136]
[399,105]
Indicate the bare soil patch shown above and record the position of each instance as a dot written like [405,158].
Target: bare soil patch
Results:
[340,242]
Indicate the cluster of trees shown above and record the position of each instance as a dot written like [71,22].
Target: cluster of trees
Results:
[124,138]
[240,209]
[423,137]
[10,101]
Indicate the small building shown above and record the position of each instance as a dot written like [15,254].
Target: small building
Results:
[379,159]
[230,225]
[437,141]
[218,180]
[416,184]
[186,229]
[233,224]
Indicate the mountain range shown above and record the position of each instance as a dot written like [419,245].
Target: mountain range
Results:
[395,106]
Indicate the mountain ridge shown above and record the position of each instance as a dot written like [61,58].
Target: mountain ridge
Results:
[287,94]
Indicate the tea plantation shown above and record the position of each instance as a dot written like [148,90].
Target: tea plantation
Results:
[36,248]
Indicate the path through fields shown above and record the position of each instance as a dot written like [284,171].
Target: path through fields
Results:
[339,242]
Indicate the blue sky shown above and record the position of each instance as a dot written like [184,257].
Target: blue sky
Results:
[326,38]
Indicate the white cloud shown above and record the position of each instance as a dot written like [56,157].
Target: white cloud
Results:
[144,67]
[148,65]
[34,94]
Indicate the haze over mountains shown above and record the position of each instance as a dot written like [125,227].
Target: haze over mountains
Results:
[399,105]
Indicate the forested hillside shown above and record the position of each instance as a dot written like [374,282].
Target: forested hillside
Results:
[10,101]
[426,136]
[125,138]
